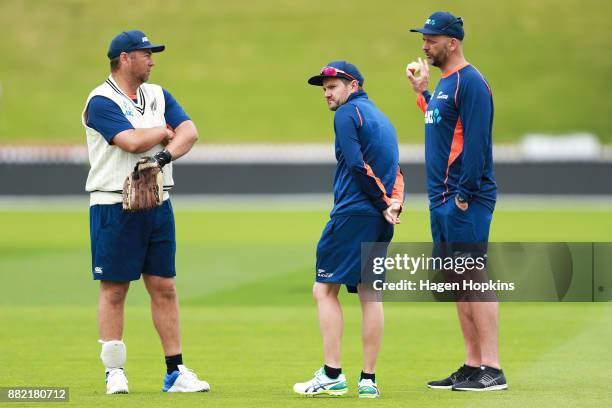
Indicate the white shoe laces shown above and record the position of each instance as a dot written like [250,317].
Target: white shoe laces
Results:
[189,374]
[116,372]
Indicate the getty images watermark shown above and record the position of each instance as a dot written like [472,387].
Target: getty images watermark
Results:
[461,264]
[513,271]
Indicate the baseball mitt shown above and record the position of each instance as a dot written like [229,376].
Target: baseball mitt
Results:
[144,188]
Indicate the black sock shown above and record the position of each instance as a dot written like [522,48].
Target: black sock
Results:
[172,363]
[368,376]
[332,373]
[495,370]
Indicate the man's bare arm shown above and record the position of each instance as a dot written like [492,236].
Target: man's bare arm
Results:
[185,136]
[141,140]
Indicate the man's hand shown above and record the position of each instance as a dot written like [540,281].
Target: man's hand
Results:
[420,83]
[393,212]
[462,205]
[169,136]
[183,138]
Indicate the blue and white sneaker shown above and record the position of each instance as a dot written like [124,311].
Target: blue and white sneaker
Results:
[368,389]
[322,384]
[116,381]
[184,380]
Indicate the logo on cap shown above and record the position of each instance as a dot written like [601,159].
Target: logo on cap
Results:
[442,23]
[145,39]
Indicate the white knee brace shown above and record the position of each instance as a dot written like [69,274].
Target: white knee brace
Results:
[113,353]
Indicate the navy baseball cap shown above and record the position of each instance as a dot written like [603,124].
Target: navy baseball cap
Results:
[442,23]
[131,41]
[340,69]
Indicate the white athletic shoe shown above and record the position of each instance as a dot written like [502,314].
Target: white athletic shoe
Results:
[184,380]
[116,381]
[322,384]
[368,389]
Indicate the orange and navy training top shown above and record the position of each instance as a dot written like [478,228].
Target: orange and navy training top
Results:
[368,174]
[458,138]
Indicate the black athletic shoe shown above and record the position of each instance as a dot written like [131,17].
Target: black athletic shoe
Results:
[461,375]
[487,379]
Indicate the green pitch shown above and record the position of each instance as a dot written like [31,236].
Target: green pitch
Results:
[240,67]
[249,324]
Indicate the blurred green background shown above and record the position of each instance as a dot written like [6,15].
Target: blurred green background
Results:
[239,67]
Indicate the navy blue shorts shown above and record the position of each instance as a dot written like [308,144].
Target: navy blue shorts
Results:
[468,230]
[125,245]
[339,249]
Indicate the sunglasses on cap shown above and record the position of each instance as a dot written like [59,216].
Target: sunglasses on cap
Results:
[332,72]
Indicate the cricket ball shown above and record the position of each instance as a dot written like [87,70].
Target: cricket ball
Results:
[413,67]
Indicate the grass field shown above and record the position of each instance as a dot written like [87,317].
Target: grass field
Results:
[240,67]
[249,324]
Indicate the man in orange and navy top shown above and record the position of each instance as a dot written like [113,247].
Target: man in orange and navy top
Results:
[368,197]
[460,183]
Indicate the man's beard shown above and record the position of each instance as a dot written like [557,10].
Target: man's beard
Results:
[143,78]
[337,105]
[439,60]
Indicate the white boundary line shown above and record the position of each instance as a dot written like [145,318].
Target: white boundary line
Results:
[314,153]
[304,202]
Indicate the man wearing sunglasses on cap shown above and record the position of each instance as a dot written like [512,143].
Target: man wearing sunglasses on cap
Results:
[461,185]
[368,197]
